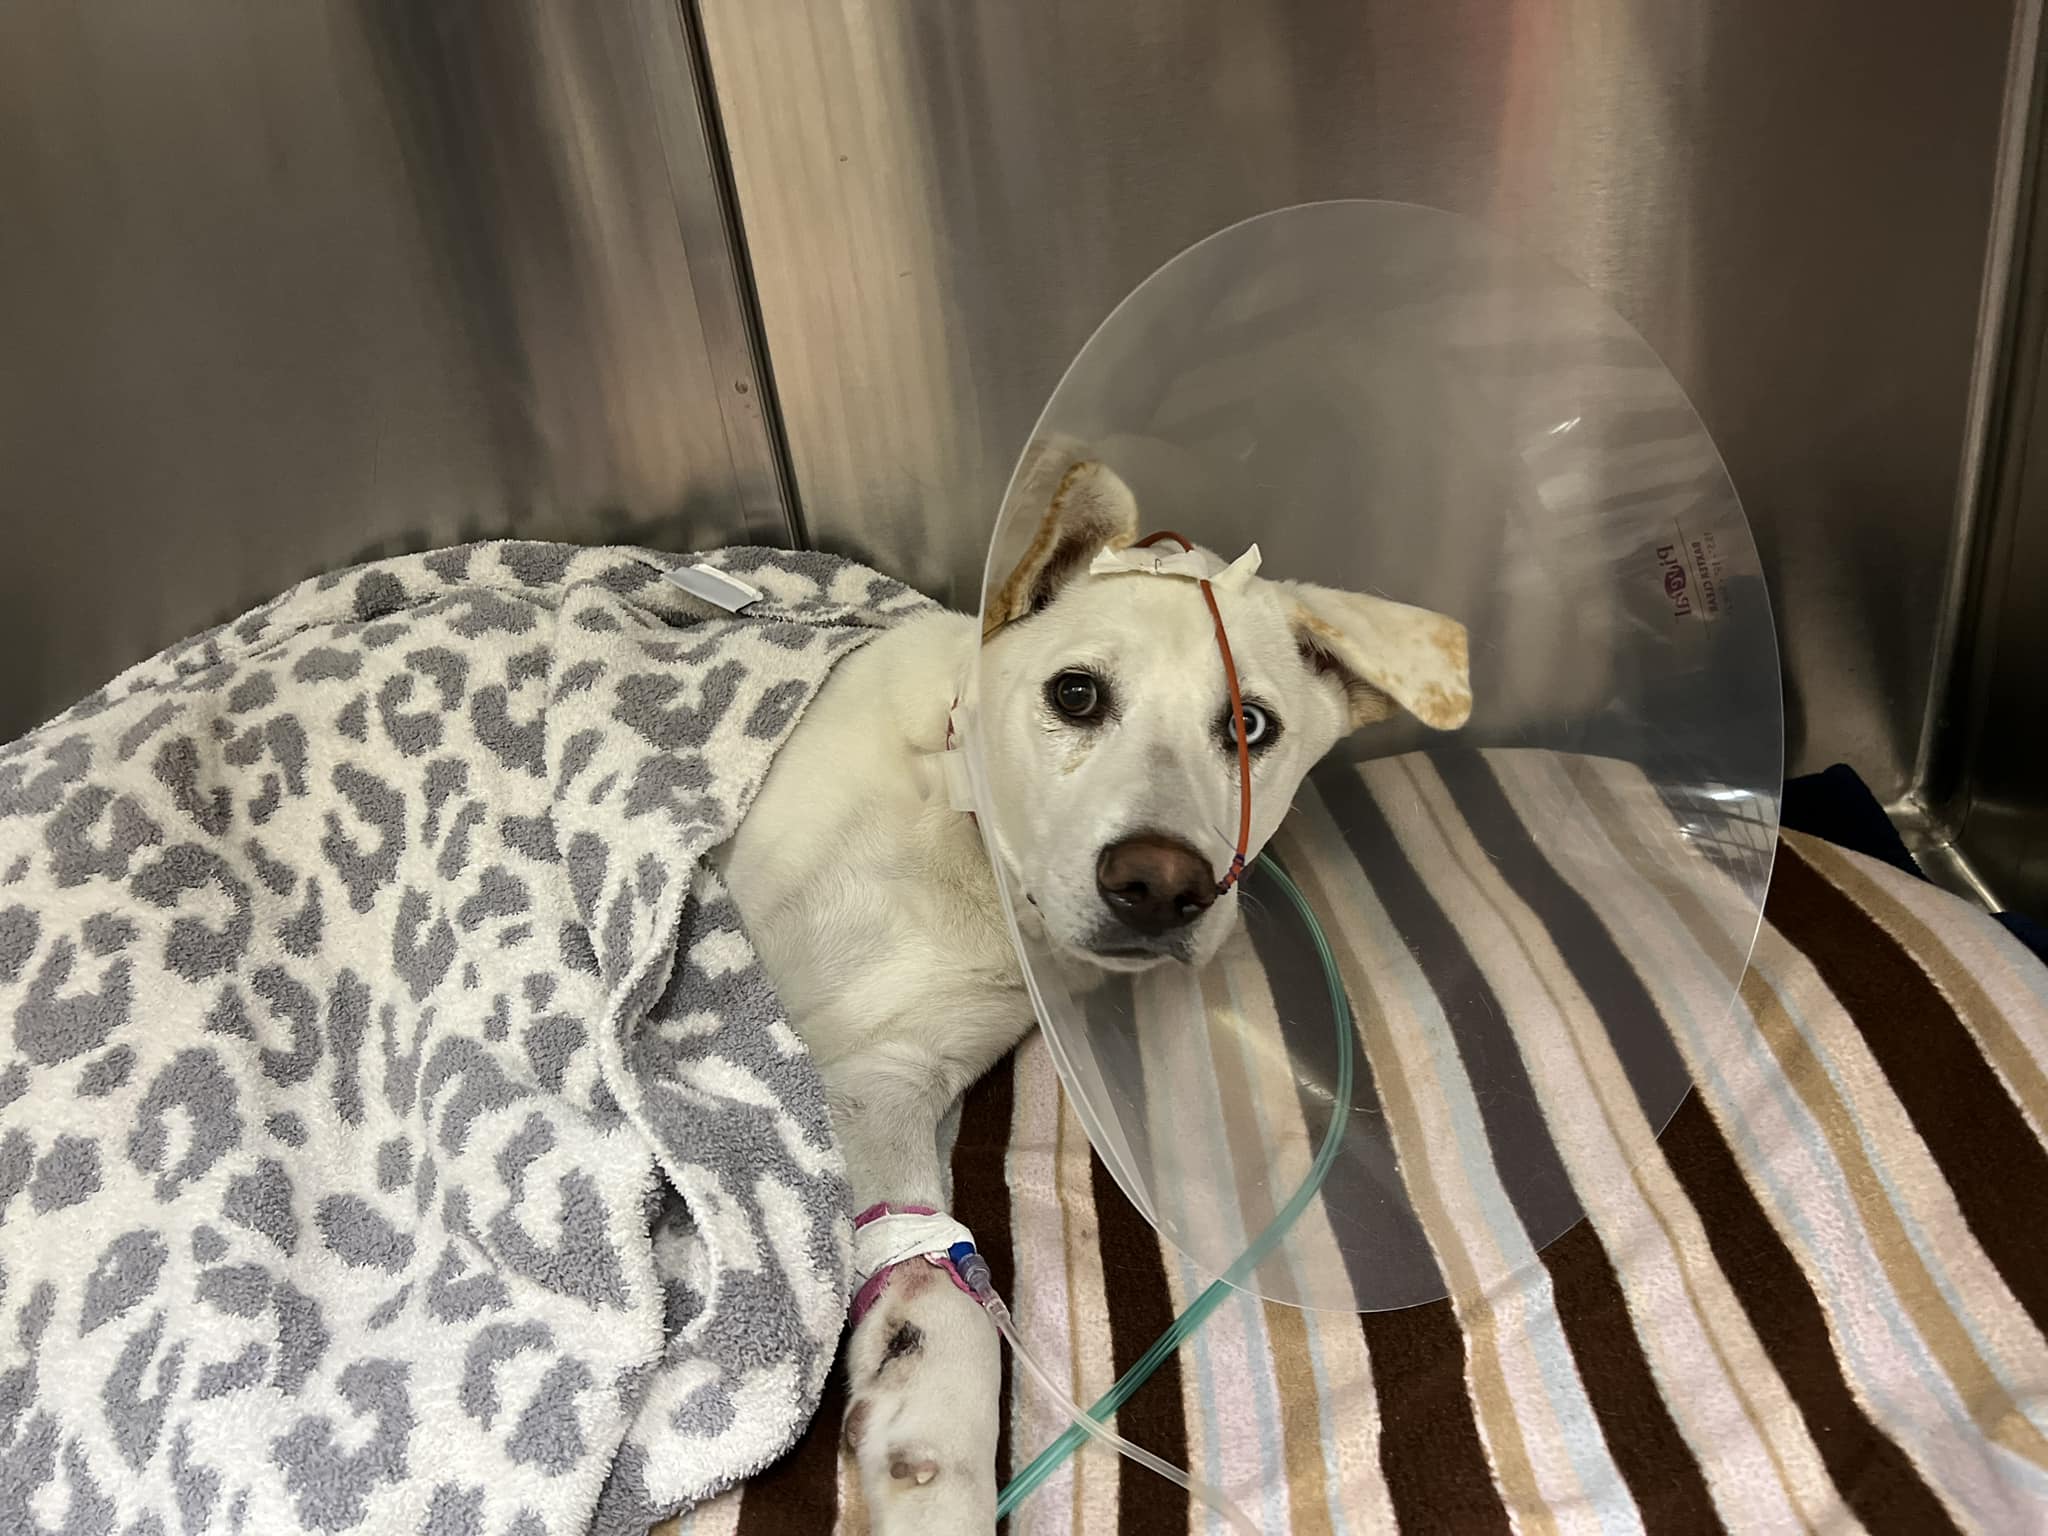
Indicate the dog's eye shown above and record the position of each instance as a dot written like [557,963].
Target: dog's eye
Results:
[1077,695]
[1261,728]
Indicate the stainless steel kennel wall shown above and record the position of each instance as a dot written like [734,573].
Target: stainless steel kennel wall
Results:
[1790,201]
[1978,811]
[287,285]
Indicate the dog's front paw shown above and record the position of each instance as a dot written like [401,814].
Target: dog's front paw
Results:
[924,1375]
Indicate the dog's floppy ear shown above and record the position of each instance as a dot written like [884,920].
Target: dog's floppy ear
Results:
[1091,511]
[1385,653]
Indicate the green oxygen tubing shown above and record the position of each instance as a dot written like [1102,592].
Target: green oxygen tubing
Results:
[1089,1423]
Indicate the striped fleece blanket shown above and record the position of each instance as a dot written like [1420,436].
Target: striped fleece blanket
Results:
[1816,1305]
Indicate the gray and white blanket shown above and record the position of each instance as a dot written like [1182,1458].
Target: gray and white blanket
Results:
[397,1132]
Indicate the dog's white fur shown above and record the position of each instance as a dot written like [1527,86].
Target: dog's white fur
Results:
[874,906]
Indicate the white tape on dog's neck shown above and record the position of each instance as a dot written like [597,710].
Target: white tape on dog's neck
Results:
[951,764]
[1188,564]
[959,782]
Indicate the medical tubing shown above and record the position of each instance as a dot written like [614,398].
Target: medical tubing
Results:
[1244,745]
[1214,1498]
[1047,1461]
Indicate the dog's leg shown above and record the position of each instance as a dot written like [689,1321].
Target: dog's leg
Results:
[923,1365]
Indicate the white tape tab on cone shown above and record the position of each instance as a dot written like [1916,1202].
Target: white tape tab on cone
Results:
[1188,564]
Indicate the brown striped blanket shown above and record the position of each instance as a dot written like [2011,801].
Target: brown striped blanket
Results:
[1817,1303]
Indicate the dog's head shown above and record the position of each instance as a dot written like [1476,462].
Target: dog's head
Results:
[1107,722]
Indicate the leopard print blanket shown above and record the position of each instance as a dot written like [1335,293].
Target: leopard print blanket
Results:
[397,1132]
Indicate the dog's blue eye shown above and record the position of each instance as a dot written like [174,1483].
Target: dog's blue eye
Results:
[1076,695]
[1260,728]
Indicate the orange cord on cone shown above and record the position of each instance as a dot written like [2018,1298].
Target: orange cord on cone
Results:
[1244,751]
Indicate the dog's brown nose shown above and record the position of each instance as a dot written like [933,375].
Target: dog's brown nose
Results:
[1154,884]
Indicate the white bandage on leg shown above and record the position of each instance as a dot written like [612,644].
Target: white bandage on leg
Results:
[883,1238]
[889,1240]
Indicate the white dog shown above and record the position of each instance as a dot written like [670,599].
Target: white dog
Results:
[874,907]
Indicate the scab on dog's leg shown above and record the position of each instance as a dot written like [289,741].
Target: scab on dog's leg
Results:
[924,1370]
